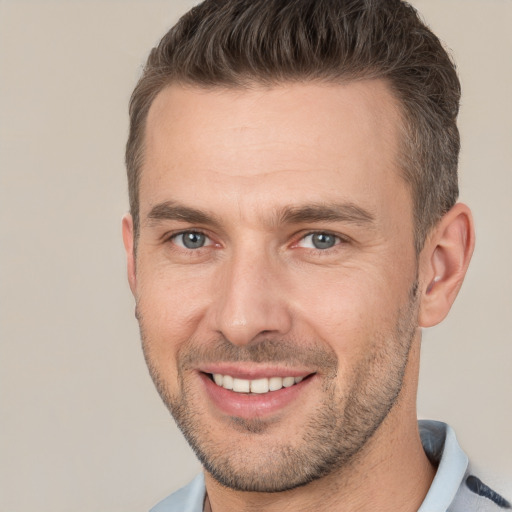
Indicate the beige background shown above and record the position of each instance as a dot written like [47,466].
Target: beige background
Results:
[81,428]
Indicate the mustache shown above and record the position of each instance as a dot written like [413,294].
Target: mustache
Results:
[286,352]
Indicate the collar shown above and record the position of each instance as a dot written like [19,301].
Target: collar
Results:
[443,450]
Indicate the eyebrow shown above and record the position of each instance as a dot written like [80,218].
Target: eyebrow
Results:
[314,212]
[326,212]
[170,210]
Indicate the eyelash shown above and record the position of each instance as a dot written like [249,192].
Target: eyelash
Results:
[339,240]
[172,237]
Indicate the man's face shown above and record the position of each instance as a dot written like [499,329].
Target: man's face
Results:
[275,274]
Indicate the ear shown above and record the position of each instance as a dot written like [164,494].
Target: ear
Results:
[444,261]
[128,246]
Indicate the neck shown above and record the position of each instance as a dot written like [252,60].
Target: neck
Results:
[390,474]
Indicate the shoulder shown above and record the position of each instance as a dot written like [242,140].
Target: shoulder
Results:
[456,487]
[473,494]
[188,499]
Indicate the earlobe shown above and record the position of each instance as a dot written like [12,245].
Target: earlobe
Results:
[444,261]
[127,226]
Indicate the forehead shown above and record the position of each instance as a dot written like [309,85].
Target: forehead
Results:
[312,139]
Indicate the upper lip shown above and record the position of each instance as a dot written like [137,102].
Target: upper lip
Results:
[253,371]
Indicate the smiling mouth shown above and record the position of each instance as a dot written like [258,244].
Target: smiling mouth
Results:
[258,386]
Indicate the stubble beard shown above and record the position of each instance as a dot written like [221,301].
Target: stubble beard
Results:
[332,436]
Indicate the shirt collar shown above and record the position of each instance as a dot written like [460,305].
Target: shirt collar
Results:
[443,450]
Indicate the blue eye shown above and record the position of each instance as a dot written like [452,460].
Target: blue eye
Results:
[320,241]
[191,240]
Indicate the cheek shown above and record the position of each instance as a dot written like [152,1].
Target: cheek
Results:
[169,305]
[352,310]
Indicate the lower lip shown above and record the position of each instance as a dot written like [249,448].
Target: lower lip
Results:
[252,405]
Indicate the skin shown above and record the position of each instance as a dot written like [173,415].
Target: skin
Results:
[260,299]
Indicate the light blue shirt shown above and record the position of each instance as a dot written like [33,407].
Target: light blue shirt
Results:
[454,489]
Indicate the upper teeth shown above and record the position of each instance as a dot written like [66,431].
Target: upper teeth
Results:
[255,385]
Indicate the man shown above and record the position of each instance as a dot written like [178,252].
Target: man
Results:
[293,225]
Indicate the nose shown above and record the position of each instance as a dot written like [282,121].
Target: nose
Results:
[251,299]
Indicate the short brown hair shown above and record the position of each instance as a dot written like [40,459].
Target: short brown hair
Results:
[235,43]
